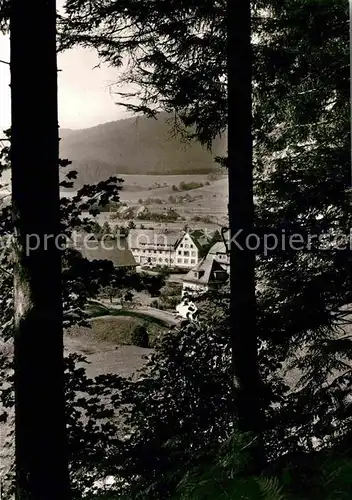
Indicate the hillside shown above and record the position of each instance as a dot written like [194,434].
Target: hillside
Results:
[136,145]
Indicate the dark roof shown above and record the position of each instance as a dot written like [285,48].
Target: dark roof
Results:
[201,237]
[110,249]
[209,266]
[152,237]
[218,247]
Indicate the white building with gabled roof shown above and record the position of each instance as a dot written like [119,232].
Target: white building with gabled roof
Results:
[187,251]
[208,273]
[174,249]
[151,247]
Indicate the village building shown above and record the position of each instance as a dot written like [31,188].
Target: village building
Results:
[187,251]
[108,248]
[220,254]
[174,249]
[150,247]
[207,274]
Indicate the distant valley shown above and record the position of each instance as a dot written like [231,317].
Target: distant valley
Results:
[159,171]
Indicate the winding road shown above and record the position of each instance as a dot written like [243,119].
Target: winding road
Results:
[166,316]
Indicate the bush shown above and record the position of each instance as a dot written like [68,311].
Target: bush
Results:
[171,289]
[172,302]
[163,270]
[188,186]
[205,219]
[140,337]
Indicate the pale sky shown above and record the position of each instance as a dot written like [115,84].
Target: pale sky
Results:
[84,97]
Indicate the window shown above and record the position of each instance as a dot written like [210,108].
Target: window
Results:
[191,246]
[186,253]
[160,260]
[186,245]
[179,252]
[179,260]
[193,261]
[193,254]
[166,259]
[181,245]
[185,261]
[154,258]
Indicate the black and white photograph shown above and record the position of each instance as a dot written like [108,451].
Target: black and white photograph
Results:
[175,250]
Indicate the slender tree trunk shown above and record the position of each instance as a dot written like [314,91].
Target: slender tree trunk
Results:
[41,451]
[241,215]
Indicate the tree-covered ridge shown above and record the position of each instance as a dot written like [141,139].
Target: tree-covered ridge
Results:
[136,145]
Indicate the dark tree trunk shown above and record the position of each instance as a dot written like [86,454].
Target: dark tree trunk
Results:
[241,216]
[41,450]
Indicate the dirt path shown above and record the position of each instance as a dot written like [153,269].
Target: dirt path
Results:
[166,316]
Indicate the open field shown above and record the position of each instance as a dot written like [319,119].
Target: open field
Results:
[207,201]
[116,330]
[171,226]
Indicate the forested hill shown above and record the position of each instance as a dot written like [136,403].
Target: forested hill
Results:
[136,145]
